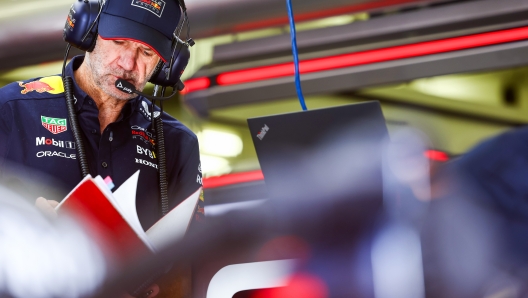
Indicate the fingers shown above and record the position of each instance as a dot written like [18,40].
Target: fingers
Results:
[53,203]
[47,206]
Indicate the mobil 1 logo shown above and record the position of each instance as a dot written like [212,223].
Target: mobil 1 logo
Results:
[42,141]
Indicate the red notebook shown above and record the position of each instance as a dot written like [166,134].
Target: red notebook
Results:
[112,219]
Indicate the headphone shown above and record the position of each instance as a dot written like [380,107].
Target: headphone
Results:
[80,31]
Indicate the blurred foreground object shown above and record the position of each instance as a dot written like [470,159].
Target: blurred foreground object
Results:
[342,245]
[484,213]
[470,242]
[43,258]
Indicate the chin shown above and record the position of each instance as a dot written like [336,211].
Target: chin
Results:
[126,97]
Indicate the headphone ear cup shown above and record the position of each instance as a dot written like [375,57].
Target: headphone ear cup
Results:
[157,70]
[180,63]
[94,41]
[78,30]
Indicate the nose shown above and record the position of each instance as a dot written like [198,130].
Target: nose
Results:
[127,58]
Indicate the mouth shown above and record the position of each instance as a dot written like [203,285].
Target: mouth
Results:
[131,81]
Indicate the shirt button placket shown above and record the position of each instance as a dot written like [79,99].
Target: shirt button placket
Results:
[105,153]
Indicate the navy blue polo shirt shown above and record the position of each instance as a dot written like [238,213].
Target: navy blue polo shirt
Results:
[36,136]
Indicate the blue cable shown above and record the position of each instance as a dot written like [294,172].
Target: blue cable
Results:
[295,55]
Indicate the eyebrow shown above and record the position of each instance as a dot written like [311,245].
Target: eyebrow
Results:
[145,48]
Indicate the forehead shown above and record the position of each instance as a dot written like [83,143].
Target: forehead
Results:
[137,43]
[134,43]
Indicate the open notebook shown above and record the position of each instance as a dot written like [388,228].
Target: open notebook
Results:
[112,217]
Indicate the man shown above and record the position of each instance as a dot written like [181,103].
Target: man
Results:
[35,131]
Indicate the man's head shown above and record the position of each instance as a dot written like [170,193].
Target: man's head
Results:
[133,37]
[151,22]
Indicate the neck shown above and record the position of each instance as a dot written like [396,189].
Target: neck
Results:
[109,107]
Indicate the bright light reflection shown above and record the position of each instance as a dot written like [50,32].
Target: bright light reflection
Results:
[214,166]
[481,89]
[218,143]
[397,264]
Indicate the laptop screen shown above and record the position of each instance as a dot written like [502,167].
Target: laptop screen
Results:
[331,152]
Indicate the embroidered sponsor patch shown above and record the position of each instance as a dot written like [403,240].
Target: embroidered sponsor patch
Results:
[42,141]
[141,133]
[54,125]
[56,154]
[154,6]
[147,152]
[51,85]
[147,163]
[146,112]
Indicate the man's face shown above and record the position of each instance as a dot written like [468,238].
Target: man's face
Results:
[121,59]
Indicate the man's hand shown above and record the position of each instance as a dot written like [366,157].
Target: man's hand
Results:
[47,206]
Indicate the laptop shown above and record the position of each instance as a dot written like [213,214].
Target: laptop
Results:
[332,152]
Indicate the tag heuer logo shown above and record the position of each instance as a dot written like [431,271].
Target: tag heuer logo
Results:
[54,125]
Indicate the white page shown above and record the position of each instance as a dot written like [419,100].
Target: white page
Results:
[173,226]
[125,197]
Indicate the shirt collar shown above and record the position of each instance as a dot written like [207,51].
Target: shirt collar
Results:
[81,96]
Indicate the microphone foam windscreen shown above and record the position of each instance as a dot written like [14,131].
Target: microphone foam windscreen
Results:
[125,86]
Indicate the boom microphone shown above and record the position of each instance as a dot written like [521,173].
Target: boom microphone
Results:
[127,87]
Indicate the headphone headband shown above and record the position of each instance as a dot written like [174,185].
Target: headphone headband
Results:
[182,5]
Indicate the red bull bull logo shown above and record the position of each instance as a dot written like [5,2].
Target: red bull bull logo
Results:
[70,22]
[148,139]
[38,86]
[51,85]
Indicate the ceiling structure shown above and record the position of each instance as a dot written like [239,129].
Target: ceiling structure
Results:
[31,30]
[456,71]
[461,37]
